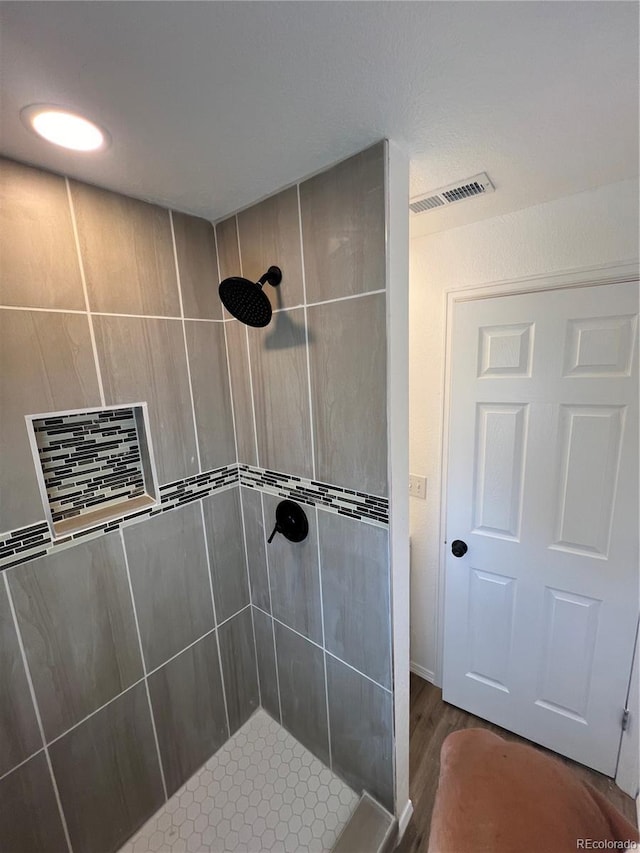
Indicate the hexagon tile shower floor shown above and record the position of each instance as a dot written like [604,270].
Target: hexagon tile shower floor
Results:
[262,791]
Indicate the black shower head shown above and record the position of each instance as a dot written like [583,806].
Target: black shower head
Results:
[245,299]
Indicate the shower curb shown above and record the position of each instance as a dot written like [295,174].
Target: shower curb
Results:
[370,829]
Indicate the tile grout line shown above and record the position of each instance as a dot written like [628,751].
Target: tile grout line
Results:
[255,651]
[182,651]
[42,310]
[184,337]
[306,337]
[144,665]
[345,298]
[85,290]
[330,654]
[226,349]
[246,568]
[228,319]
[246,334]
[273,627]
[233,615]
[21,763]
[215,617]
[156,317]
[96,711]
[246,549]
[324,642]
[34,700]
[235,439]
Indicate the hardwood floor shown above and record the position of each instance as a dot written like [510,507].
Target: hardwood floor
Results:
[430,723]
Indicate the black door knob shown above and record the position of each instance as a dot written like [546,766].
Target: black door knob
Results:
[458,548]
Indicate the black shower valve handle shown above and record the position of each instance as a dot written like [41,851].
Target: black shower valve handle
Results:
[275,530]
[291,521]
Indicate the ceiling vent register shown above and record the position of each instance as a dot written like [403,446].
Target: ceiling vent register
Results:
[477,185]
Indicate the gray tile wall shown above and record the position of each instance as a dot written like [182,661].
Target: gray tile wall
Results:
[117,636]
[305,396]
[47,364]
[342,573]
[76,619]
[361,719]
[321,361]
[190,716]
[29,816]
[238,655]
[135,682]
[170,580]
[309,391]
[19,734]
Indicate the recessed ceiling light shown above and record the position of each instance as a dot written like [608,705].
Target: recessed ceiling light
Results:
[65,128]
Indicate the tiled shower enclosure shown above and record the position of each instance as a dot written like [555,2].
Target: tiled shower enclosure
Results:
[134,652]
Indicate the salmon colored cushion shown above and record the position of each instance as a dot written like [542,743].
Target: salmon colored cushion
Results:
[495,796]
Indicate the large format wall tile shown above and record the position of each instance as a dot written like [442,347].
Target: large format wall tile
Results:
[170,579]
[29,815]
[241,387]
[47,365]
[361,725]
[78,629]
[263,627]
[211,398]
[239,668]
[127,253]
[270,236]
[281,394]
[143,360]
[343,227]
[225,537]
[295,581]
[19,735]
[227,243]
[39,267]
[355,588]
[188,709]
[349,382]
[302,691]
[108,774]
[198,267]
[256,557]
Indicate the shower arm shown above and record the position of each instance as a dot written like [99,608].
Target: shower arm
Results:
[273,276]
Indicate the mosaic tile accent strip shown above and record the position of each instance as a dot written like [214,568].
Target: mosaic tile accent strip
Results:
[359,505]
[27,543]
[24,544]
[262,791]
[89,460]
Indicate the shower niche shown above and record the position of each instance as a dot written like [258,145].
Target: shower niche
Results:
[92,465]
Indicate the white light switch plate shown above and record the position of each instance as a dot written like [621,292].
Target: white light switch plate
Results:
[417,486]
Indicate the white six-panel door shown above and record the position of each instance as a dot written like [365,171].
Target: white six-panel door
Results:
[541,611]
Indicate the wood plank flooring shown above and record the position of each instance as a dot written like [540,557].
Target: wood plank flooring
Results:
[430,722]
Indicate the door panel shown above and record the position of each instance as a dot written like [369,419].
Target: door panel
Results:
[491,599]
[590,442]
[540,613]
[500,446]
[571,625]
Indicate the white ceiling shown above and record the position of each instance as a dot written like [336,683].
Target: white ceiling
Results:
[212,105]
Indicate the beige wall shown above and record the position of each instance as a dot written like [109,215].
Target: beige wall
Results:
[590,229]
